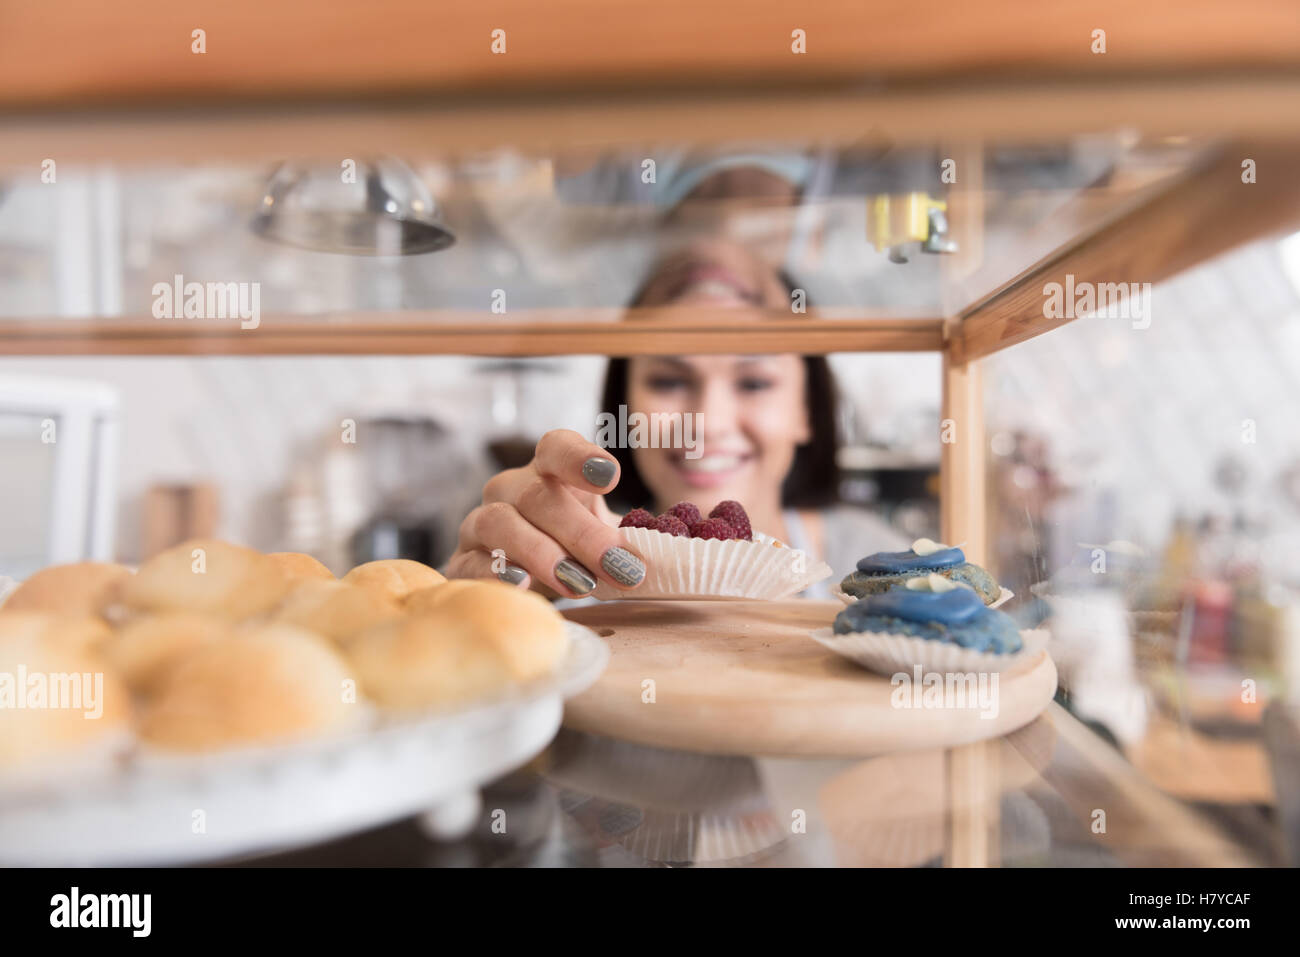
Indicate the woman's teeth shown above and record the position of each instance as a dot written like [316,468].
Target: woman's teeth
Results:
[715,289]
[712,463]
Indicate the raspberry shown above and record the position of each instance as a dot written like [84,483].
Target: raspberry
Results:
[671,524]
[687,512]
[714,528]
[733,513]
[637,518]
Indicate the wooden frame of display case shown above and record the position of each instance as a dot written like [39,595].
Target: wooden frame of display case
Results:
[439,332]
[290,89]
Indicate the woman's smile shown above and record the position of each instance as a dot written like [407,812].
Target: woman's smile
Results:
[713,469]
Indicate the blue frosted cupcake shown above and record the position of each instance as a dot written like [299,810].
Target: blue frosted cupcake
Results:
[878,573]
[957,616]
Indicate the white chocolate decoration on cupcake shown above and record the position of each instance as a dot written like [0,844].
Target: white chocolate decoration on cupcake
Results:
[934,582]
[927,546]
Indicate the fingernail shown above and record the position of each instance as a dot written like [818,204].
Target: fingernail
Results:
[599,472]
[574,577]
[513,575]
[624,567]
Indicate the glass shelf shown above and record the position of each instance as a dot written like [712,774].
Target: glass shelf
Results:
[568,235]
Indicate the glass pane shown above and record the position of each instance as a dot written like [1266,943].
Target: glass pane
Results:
[25,485]
[864,231]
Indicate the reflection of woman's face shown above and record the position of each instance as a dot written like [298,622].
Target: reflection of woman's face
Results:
[752,409]
[715,274]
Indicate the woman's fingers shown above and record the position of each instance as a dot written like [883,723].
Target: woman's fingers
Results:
[549,519]
[498,530]
[547,504]
[582,465]
[549,533]
[480,564]
[568,458]
[503,486]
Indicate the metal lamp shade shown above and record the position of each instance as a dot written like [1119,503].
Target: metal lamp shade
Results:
[384,210]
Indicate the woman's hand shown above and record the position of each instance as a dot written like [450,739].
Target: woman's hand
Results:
[551,521]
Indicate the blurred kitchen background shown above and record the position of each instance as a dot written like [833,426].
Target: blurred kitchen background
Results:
[1144,483]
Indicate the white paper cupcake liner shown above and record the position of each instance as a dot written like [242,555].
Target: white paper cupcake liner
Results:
[669,837]
[1005,596]
[888,654]
[704,569]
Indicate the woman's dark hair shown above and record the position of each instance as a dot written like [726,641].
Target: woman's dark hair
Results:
[814,478]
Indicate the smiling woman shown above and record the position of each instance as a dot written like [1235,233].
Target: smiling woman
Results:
[762,433]
[766,424]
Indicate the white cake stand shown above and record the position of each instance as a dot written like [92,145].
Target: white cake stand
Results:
[174,810]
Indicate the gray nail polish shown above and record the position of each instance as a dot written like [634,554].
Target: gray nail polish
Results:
[513,575]
[574,577]
[599,472]
[624,567]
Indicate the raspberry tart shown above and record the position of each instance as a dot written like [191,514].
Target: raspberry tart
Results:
[690,555]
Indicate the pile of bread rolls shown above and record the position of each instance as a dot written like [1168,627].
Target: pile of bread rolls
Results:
[211,645]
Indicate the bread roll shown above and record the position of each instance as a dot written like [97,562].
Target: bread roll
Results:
[146,648]
[335,609]
[57,698]
[521,624]
[394,578]
[77,589]
[77,632]
[260,685]
[412,664]
[426,599]
[207,577]
[299,566]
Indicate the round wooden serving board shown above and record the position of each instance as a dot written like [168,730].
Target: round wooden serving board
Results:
[745,678]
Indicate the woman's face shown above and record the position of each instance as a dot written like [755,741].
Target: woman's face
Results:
[752,409]
[751,419]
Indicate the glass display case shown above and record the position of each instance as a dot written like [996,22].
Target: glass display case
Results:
[1061,318]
